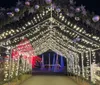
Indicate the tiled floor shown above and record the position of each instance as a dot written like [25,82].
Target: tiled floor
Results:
[49,80]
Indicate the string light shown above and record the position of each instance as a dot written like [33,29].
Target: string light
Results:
[53,38]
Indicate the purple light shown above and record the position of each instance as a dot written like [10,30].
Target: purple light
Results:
[17,9]
[48,1]
[96,18]
[10,14]
[37,6]
[58,9]
[27,3]
[53,6]
[78,39]
[78,9]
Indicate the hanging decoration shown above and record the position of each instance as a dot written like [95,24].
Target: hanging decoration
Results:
[27,3]
[80,10]
[17,10]
[58,10]
[77,9]
[96,18]
[37,6]
[10,14]
[48,1]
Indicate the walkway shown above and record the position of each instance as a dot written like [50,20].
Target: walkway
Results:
[49,80]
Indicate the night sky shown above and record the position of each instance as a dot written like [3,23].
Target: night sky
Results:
[91,5]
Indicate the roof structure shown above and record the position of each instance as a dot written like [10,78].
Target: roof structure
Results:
[61,27]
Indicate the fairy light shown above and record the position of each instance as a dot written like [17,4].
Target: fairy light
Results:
[54,40]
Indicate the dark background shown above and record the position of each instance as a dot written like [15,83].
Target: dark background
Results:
[91,5]
[52,54]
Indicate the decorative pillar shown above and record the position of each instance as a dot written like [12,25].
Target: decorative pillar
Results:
[82,58]
[13,67]
[88,67]
[87,71]
[94,57]
[10,62]
[24,64]
[90,64]
[67,64]
[93,67]
[73,63]
[77,65]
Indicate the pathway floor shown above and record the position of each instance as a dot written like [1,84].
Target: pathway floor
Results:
[49,80]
